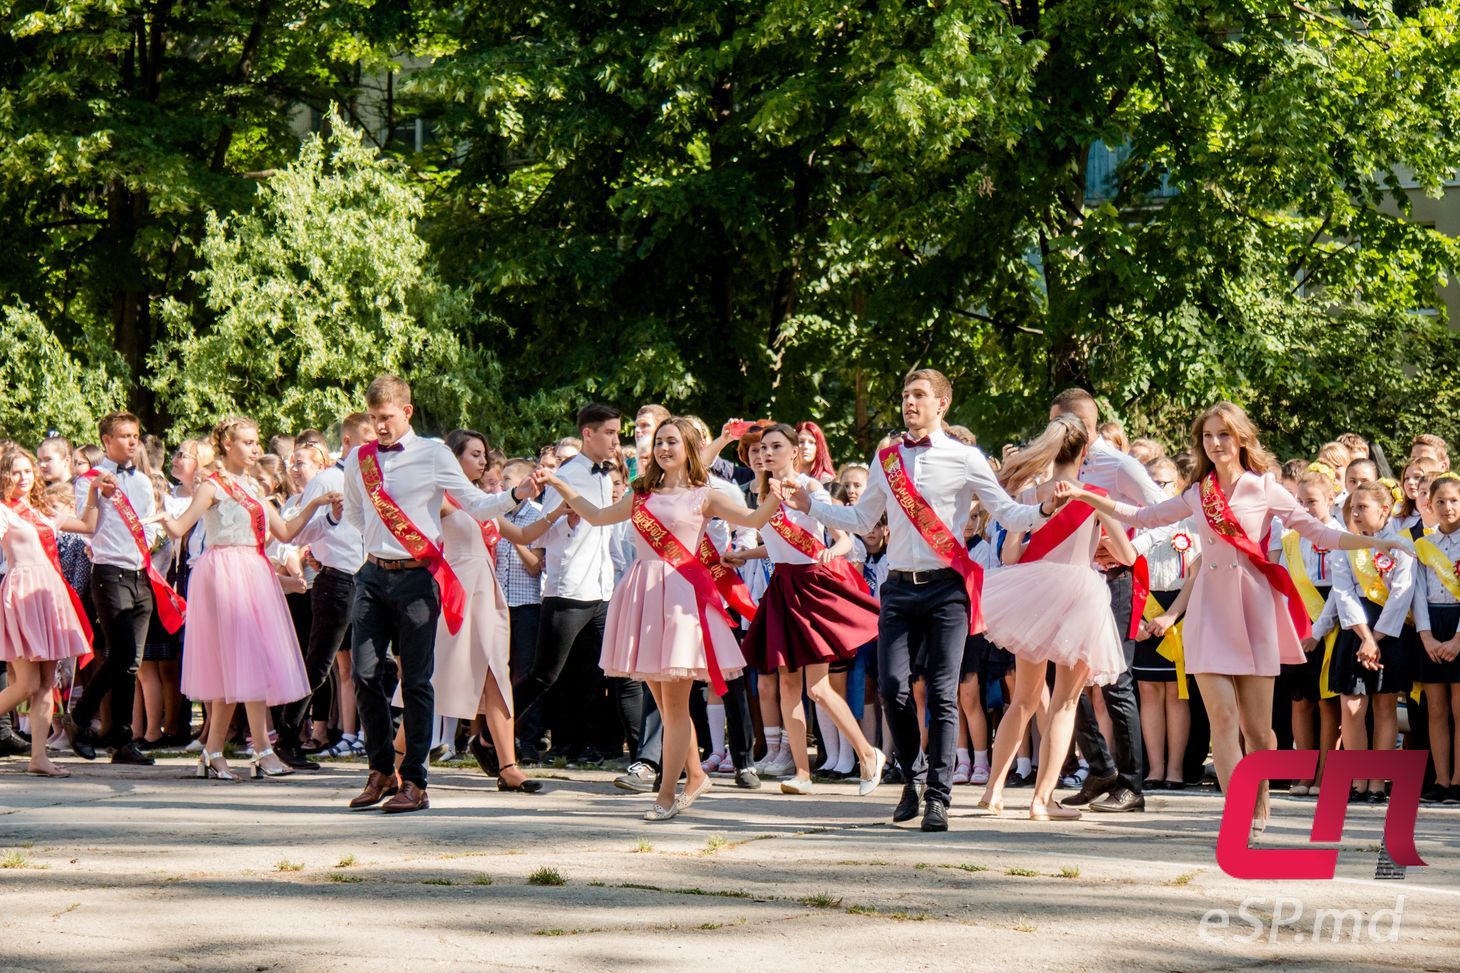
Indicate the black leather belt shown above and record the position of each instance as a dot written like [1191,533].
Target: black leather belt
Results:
[395,564]
[924,577]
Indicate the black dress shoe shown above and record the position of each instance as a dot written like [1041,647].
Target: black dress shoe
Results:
[486,756]
[79,740]
[1093,787]
[1016,779]
[528,786]
[1118,800]
[747,778]
[11,745]
[128,753]
[1152,784]
[935,818]
[294,758]
[912,799]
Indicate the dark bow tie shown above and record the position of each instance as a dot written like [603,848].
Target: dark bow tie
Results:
[127,470]
[600,469]
[912,443]
[393,448]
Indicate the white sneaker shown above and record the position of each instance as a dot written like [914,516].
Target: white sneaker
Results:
[962,772]
[782,766]
[195,747]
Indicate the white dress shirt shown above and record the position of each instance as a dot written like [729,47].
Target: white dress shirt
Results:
[112,543]
[1429,589]
[1119,474]
[577,561]
[948,475]
[777,548]
[1349,598]
[416,478]
[334,543]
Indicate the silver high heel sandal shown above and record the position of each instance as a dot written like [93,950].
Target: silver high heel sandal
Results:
[206,769]
[260,771]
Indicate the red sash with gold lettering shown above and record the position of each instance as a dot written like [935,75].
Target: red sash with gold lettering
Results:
[732,588]
[931,528]
[257,519]
[707,596]
[48,541]
[453,596]
[171,609]
[491,534]
[809,544]
[1222,522]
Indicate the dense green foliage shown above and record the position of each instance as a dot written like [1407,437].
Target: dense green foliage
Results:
[744,207]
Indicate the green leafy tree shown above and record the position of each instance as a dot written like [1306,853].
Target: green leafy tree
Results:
[46,388]
[323,283]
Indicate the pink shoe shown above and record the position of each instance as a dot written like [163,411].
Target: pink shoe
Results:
[962,772]
[980,776]
[712,763]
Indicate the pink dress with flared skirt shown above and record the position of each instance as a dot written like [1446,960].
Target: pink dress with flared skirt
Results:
[239,644]
[653,629]
[38,622]
[1057,609]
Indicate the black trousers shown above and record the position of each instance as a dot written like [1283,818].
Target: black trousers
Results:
[123,601]
[524,622]
[397,608]
[931,620]
[329,618]
[569,640]
[1120,703]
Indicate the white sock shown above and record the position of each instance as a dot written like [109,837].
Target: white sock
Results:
[715,713]
[848,758]
[1023,766]
[830,738]
[772,744]
[981,759]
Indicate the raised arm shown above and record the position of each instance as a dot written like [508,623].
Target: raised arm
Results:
[481,505]
[85,522]
[203,498]
[1283,504]
[595,515]
[1016,517]
[287,530]
[859,518]
[730,509]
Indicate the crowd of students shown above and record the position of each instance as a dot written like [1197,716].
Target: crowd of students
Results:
[1082,613]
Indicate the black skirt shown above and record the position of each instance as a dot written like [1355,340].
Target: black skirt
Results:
[1301,681]
[1149,665]
[1348,676]
[1444,620]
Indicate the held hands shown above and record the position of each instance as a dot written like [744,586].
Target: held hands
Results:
[1309,645]
[1369,654]
[106,485]
[541,479]
[826,556]
[1065,491]
[335,500]
[1154,628]
[337,507]
[792,494]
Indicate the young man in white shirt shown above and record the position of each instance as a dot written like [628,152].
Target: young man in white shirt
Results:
[577,582]
[396,600]
[924,601]
[121,592]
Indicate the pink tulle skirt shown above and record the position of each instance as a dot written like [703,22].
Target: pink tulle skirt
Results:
[239,644]
[1051,612]
[653,629]
[37,620]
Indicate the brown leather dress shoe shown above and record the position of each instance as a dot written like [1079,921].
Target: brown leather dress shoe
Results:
[412,797]
[377,788]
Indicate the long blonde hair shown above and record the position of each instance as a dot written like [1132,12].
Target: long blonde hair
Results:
[1061,442]
[653,476]
[1253,457]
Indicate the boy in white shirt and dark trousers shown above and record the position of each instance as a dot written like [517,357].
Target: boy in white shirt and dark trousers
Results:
[394,490]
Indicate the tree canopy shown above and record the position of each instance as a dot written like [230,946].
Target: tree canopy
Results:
[742,207]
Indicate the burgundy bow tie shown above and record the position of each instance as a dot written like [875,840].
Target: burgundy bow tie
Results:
[912,443]
[393,448]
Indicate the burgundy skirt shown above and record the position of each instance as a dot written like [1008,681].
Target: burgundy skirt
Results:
[810,614]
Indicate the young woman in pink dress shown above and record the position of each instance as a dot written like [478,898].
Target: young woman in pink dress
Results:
[1050,605]
[1245,620]
[665,625]
[239,644]
[40,616]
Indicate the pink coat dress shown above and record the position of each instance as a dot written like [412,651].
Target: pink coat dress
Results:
[1237,624]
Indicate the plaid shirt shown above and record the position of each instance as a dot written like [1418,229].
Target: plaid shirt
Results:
[520,587]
